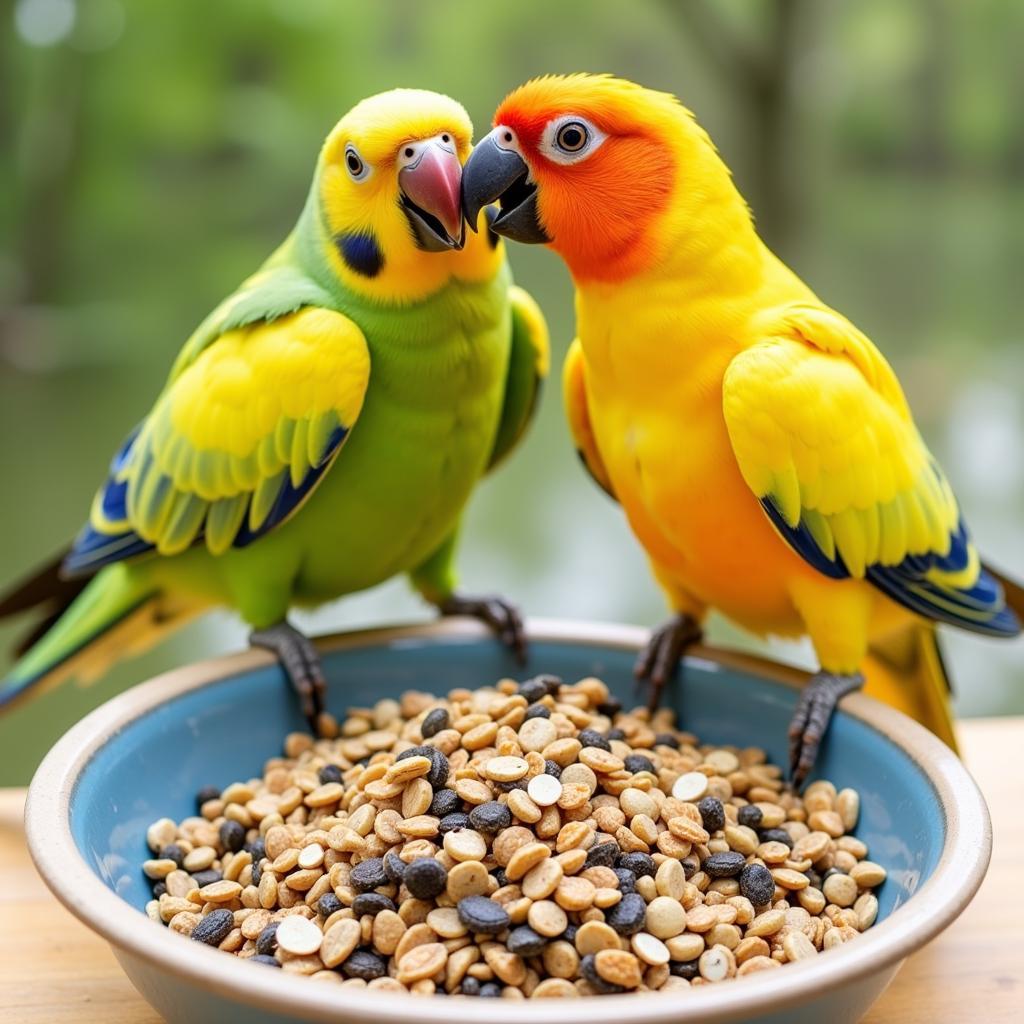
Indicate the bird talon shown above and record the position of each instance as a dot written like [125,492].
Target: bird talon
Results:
[300,663]
[811,719]
[500,615]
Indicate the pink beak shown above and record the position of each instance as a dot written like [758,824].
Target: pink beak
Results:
[433,184]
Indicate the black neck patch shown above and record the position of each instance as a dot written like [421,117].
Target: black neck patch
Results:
[361,253]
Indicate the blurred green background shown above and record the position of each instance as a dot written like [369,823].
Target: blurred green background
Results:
[154,153]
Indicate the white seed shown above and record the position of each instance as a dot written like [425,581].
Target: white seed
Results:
[544,790]
[298,935]
[650,949]
[311,856]
[691,786]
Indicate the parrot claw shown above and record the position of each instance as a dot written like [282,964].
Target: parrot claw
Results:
[660,658]
[301,664]
[501,615]
[814,710]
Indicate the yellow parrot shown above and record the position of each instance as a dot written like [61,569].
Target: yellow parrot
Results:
[759,443]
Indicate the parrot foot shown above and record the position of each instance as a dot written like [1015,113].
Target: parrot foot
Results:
[660,658]
[301,663]
[501,615]
[814,711]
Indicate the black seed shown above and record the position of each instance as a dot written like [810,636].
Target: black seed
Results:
[470,986]
[639,864]
[592,738]
[533,690]
[159,888]
[815,879]
[538,711]
[638,763]
[435,721]
[610,708]
[627,916]
[726,864]
[329,773]
[364,964]
[776,835]
[490,817]
[750,815]
[712,813]
[425,878]
[371,903]
[757,884]
[257,850]
[524,941]
[266,941]
[267,961]
[627,880]
[688,969]
[614,734]
[328,904]
[207,877]
[367,875]
[232,836]
[500,877]
[257,874]
[214,928]
[507,787]
[666,739]
[570,932]
[602,855]
[553,768]
[481,914]
[488,990]
[445,802]
[588,968]
[553,683]
[690,866]
[394,867]
[450,822]
[438,774]
[207,793]
[828,873]
[172,851]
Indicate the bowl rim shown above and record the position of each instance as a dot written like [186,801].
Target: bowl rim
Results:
[940,900]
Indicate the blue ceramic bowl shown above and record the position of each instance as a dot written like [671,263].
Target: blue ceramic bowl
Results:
[144,755]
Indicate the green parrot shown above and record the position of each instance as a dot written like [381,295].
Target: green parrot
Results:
[323,428]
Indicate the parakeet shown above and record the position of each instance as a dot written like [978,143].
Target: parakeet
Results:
[759,443]
[323,428]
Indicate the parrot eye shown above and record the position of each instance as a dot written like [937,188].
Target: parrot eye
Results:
[357,170]
[572,137]
[568,140]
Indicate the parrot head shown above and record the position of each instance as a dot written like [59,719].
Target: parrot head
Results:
[387,186]
[593,166]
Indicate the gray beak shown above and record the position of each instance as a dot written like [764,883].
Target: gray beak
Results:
[493,174]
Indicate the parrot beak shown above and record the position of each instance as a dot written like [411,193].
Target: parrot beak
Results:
[495,173]
[429,180]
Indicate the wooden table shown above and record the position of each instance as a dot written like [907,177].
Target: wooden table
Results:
[53,969]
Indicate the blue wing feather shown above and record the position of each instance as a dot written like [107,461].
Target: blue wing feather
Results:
[93,549]
[980,608]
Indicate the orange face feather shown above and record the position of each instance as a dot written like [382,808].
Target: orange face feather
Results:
[599,211]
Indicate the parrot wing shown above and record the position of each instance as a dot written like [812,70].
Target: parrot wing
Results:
[246,427]
[574,393]
[527,367]
[825,440]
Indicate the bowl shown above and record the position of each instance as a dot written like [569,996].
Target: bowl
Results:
[144,755]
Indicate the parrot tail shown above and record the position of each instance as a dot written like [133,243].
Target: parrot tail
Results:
[87,626]
[905,669]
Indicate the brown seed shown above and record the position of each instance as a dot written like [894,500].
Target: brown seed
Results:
[220,892]
[575,893]
[547,918]
[524,859]
[867,874]
[797,946]
[601,761]
[790,879]
[422,962]
[506,769]
[470,878]
[465,844]
[523,807]
[618,967]
[665,917]
[388,929]
[840,889]
[417,797]
[594,936]
[299,935]
[542,880]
